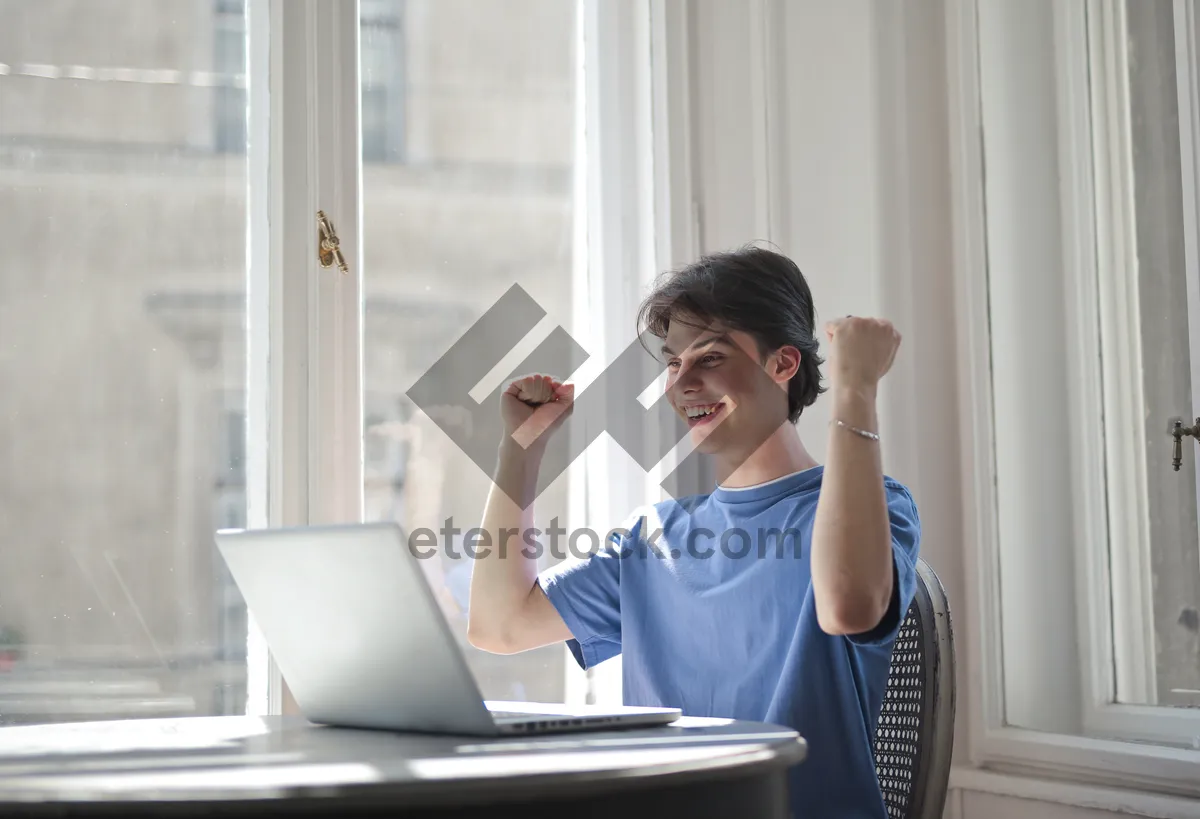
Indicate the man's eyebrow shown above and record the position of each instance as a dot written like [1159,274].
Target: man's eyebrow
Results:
[719,338]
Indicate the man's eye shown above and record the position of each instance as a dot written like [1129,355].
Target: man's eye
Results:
[672,365]
[710,359]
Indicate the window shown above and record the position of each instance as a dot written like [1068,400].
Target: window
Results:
[1082,283]
[229,57]
[1147,306]
[123,332]
[486,201]
[383,78]
[157,354]
[229,488]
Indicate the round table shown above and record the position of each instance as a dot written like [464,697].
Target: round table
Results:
[270,766]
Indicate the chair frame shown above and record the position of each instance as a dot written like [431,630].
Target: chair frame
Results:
[936,733]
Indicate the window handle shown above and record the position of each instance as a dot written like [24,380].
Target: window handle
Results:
[1178,430]
[329,247]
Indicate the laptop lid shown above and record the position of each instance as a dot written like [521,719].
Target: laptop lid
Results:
[355,628]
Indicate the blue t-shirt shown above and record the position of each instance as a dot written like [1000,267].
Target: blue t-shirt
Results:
[714,614]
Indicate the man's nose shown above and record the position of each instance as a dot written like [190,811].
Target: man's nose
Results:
[688,379]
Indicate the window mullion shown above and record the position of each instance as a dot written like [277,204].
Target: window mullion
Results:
[335,379]
[303,132]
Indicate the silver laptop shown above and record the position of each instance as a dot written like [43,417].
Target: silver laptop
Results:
[357,633]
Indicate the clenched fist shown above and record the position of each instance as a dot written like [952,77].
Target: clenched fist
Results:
[534,406]
[861,351]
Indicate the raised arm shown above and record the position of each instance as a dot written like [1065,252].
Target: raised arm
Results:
[852,572]
[508,611]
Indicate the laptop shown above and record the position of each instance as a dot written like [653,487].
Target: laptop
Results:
[357,633]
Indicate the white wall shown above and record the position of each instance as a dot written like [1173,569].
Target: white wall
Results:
[849,173]
[862,161]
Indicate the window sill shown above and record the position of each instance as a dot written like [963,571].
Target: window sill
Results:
[1083,765]
[1137,803]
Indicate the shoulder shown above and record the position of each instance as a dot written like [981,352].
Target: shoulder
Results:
[902,511]
[899,494]
[900,498]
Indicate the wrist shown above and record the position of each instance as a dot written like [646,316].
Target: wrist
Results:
[853,395]
[854,409]
[510,451]
[516,473]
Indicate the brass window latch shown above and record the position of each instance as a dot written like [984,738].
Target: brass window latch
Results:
[1178,430]
[329,248]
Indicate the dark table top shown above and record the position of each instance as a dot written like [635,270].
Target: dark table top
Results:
[218,759]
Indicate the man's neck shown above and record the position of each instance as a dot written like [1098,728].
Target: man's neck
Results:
[781,454]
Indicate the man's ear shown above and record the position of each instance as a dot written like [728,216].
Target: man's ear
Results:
[784,363]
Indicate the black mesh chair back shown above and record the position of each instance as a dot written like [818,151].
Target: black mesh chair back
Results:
[915,733]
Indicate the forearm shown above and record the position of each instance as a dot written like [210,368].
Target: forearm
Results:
[851,543]
[503,576]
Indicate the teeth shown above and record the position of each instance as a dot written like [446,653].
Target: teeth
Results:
[697,412]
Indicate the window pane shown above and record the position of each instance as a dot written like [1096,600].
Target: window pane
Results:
[384,79]
[1169,645]
[1099,548]
[483,95]
[122,330]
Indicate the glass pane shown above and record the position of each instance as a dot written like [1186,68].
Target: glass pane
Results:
[1170,650]
[468,123]
[122,330]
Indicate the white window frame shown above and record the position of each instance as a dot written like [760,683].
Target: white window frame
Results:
[1087,196]
[1123,635]
[1122,639]
[611,90]
[305,432]
[661,118]
[637,213]
[1187,50]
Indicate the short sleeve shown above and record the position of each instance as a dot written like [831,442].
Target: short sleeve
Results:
[906,544]
[586,592]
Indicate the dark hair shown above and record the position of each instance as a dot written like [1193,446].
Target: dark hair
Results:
[752,289]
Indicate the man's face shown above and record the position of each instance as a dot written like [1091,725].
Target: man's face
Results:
[717,381]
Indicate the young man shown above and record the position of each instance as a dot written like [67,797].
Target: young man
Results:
[712,619]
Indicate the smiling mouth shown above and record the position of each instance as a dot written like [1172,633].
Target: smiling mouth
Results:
[703,413]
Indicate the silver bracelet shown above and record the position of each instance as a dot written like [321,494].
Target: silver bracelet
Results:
[861,432]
